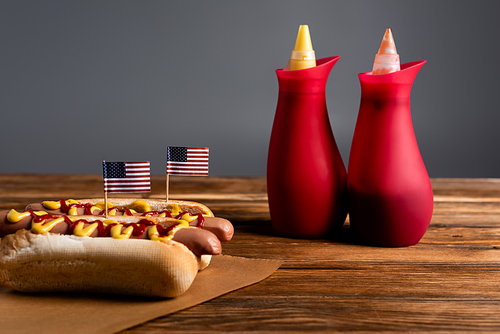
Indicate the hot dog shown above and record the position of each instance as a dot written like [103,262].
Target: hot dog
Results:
[186,210]
[121,206]
[33,260]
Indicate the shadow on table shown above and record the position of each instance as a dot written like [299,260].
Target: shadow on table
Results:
[264,228]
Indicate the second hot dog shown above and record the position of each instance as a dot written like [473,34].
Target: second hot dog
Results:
[192,212]
[199,241]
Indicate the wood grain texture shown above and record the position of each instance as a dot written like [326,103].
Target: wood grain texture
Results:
[450,281]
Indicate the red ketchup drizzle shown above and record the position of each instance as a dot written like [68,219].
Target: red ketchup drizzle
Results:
[102,212]
[72,224]
[64,207]
[201,219]
[138,230]
[125,212]
[103,231]
[157,213]
[140,227]
[179,216]
[128,212]
[163,231]
[86,206]
[150,213]
[40,218]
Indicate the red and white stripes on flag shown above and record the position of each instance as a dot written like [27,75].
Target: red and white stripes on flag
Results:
[124,177]
[190,161]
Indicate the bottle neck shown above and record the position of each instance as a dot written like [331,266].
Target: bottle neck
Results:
[394,86]
[385,91]
[307,81]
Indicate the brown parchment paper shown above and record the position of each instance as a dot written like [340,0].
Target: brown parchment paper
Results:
[79,313]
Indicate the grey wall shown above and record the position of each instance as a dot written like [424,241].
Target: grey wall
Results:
[83,81]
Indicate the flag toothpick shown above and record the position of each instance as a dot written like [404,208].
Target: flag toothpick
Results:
[125,177]
[187,161]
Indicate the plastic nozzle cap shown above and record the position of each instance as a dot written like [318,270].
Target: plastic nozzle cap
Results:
[303,46]
[303,55]
[303,42]
[387,58]
[388,46]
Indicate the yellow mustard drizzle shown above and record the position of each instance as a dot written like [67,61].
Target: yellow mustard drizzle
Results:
[175,209]
[101,205]
[73,211]
[81,231]
[13,216]
[54,205]
[73,219]
[140,205]
[109,222]
[113,212]
[116,232]
[188,218]
[183,222]
[153,233]
[41,227]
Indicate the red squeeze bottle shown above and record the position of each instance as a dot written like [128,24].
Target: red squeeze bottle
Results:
[390,194]
[306,178]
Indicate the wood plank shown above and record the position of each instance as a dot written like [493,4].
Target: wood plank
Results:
[346,297]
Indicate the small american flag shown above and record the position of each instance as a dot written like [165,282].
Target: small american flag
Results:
[126,177]
[187,160]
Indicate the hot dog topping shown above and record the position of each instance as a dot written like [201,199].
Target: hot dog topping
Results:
[42,222]
[114,211]
[70,207]
[140,206]
[14,217]
[43,226]
[62,204]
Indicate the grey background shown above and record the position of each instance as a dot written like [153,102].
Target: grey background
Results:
[86,81]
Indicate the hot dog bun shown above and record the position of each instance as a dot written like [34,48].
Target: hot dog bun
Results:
[61,263]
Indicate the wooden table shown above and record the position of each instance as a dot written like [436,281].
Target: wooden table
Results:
[449,281]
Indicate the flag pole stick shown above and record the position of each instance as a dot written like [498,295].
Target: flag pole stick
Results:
[167,189]
[166,172]
[106,205]
[105,197]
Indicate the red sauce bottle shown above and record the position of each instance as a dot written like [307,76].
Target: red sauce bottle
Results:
[306,178]
[390,194]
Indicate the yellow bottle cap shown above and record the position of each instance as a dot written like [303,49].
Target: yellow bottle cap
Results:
[303,42]
[303,55]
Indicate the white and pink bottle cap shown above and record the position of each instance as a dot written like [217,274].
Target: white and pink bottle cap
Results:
[387,58]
